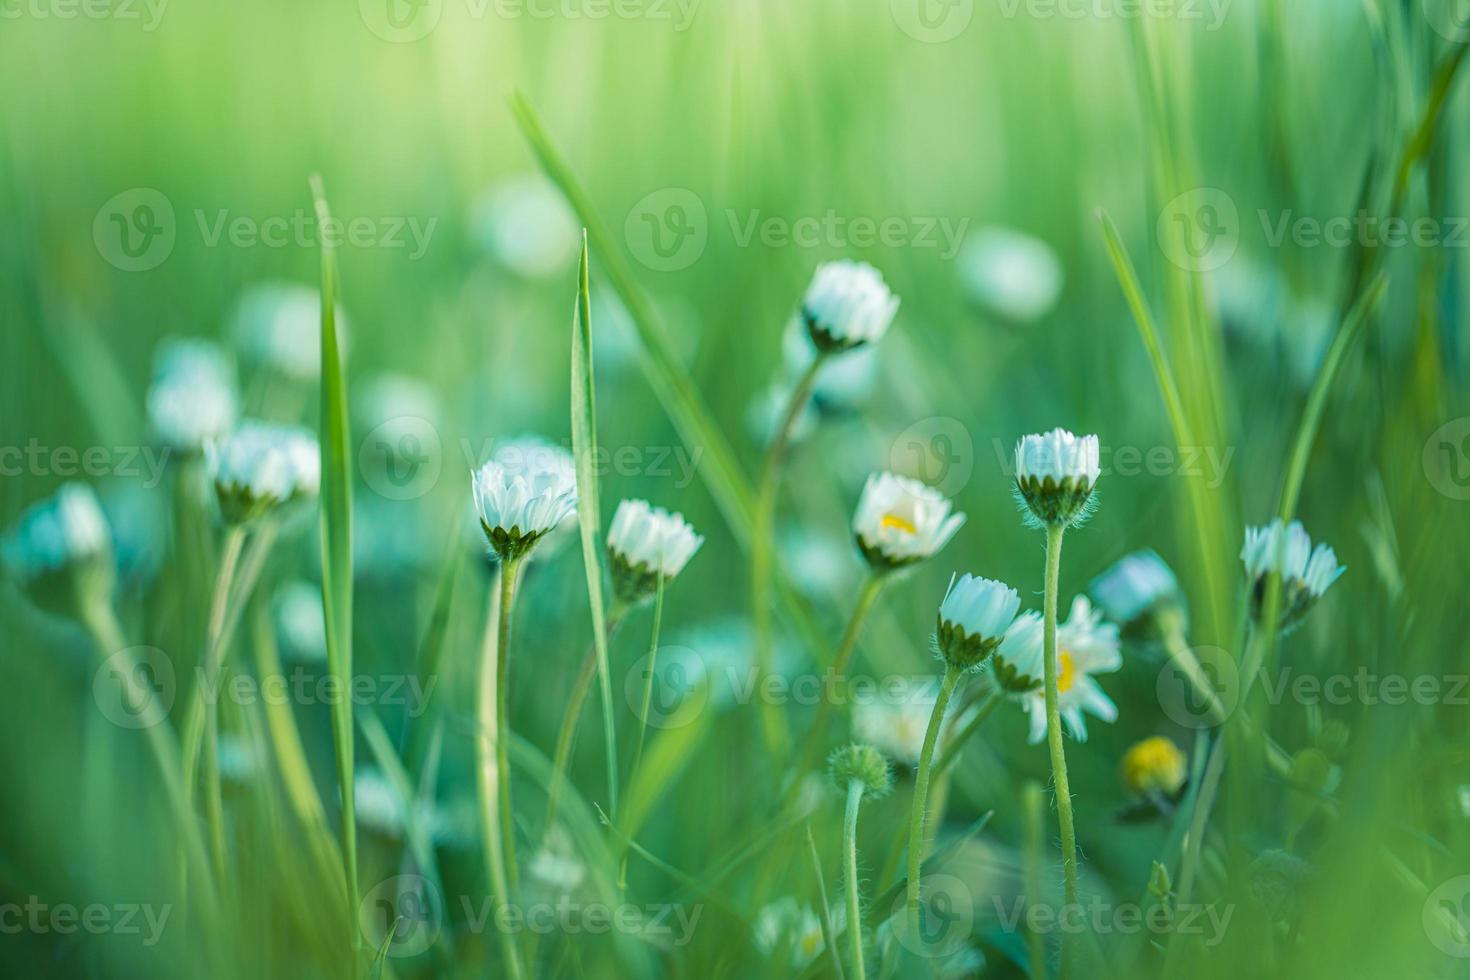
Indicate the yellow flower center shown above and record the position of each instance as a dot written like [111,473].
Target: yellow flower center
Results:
[900,523]
[1066,672]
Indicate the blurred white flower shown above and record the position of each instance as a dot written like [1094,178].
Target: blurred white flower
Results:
[846,305]
[301,621]
[260,466]
[278,325]
[785,923]
[896,727]
[522,494]
[1055,474]
[820,563]
[1016,663]
[842,384]
[1010,275]
[646,542]
[192,398]
[378,807]
[900,521]
[524,224]
[63,536]
[1086,645]
[1137,587]
[973,619]
[238,760]
[556,865]
[1306,572]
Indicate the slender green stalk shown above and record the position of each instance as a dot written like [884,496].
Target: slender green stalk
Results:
[951,753]
[849,847]
[921,794]
[572,716]
[1054,719]
[199,712]
[648,672]
[1032,804]
[811,748]
[824,911]
[762,551]
[502,717]
[493,768]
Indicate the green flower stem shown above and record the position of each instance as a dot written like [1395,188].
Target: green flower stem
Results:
[1053,716]
[811,748]
[762,554]
[921,792]
[849,848]
[951,753]
[195,718]
[648,671]
[494,768]
[573,715]
[824,912]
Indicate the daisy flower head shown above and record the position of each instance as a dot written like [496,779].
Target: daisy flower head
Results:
[862,764]
[786,924]
[1306,572]
[973,619]
[1141,593]
[522,494]
[192,397]
[59,542]
[896,726]
[647,543]
[1086,645]
[1016,662]
[1153,766]
[900,521]
[847,305]
[1055,474]
[259,467]
[278,325]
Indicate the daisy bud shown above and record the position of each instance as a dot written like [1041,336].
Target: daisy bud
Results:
[847,305]
[645,543]
[864,764]
[260,466]
[192,397]
[900,521]
[1141,594]
[973,619]
[523,499]
[1055,474]
[1154,766]
[1306,573]
[1016,662]
[59,545]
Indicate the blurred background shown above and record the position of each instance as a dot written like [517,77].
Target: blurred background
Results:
[153,187]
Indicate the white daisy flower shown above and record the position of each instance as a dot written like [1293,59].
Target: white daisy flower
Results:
[1306,572]
[525,225]
[786,923]
[900,521]
[57,538]
[847,305]
[260,466]
[192,398]
[896,727]
[377,804]
[1055,474]
[301,621]
[523,494]
[646,542]
[1086,645]
[1010,275]
[973,619]
[1138,588]
[278,325]
[556,865]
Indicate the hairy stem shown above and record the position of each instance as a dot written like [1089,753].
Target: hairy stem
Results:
[1054,720]
[849,848]
[921,793]
[494,769]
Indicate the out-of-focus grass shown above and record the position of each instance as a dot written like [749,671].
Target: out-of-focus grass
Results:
[760,111]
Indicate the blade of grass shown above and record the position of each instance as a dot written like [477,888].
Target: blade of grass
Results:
[584,448]
[824,911]
[336,543]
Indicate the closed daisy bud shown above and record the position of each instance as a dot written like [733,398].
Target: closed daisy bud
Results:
[1154,766]
[647,542]
[1140,593]
[1055,474]
[59,545]
[522,499]
[277,325]
[1086,645]
[901,521]
[192,397]
[864,764]
[973,619]
[260,466]
[1306,573]
[847,305]
[1016,663]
